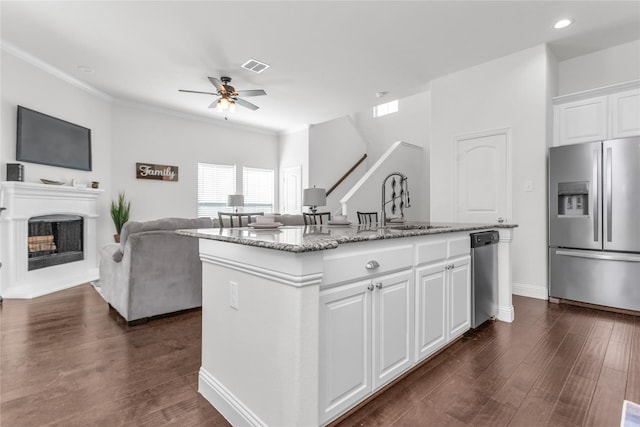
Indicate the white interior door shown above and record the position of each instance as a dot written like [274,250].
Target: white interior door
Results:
[291,190]
[482,177]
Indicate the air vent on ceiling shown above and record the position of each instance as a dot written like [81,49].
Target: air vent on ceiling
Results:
[255,66]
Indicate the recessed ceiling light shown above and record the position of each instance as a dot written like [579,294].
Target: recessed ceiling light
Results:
[563,23]
[86,69]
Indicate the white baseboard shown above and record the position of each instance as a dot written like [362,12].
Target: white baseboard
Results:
[531,291]
[226,402]
[506,313]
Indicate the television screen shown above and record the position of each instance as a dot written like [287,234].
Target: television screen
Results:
[49,141]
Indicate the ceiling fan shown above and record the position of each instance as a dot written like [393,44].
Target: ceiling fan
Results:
[229,96]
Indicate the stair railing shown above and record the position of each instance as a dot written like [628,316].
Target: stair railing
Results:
[349,172]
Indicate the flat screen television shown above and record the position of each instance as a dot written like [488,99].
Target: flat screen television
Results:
[50,141]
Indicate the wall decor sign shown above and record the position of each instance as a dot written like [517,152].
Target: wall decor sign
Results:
[161,172]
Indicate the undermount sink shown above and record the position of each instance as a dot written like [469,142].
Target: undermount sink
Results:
[405,227]
[413,227]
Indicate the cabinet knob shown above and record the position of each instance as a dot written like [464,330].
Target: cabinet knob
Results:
[370,287]
[372,265]
[379,285]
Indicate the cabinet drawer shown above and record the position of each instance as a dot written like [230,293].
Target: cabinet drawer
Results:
[350,262]
[457,246]
[432,251]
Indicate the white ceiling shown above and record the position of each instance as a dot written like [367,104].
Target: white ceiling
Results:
[327,58]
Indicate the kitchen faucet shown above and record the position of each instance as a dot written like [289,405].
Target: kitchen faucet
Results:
[405,201]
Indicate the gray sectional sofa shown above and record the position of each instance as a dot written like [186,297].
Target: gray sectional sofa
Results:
[154,271]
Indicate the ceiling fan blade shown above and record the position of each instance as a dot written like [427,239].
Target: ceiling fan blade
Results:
[196,91]
[214,103]
[246,104]
[217,83]
[255,92]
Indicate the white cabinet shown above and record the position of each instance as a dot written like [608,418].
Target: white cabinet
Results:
[366,330]
[345,347]
[443,304]
[606,113]
[392,326]
[625,113]
[581,121]
[459,287]
[431,304]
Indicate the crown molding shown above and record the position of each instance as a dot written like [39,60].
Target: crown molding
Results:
[14,50]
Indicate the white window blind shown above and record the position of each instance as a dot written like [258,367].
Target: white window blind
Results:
[215,183]
[258,189]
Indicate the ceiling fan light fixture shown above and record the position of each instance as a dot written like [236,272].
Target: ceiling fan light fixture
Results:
[232,106]
[563,23]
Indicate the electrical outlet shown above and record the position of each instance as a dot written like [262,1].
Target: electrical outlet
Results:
[233,295]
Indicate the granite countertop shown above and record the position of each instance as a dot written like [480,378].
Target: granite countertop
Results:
[321,237]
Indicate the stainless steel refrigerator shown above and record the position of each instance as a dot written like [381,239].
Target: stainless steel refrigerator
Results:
[594,223]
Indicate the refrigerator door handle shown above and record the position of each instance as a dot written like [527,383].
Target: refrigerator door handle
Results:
[594,201]
[609,191]
[603,256]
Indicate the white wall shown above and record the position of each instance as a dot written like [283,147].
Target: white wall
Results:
[366,195]
[334,147]
[153,136]
[510,92]
[31,86]
[603,68]
[410,124]
[293,151]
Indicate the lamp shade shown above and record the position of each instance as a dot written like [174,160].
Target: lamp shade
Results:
[314,197]
[235,200]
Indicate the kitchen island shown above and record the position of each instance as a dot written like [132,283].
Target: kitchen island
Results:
[300,324]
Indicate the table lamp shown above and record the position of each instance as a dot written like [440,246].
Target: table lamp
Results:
[314,197]
[235,200]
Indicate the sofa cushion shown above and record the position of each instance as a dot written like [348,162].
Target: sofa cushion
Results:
[167,224]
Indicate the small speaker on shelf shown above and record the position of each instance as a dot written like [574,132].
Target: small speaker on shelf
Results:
[15,172]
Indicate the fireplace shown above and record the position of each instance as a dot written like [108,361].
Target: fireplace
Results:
[49,238]
[54,240]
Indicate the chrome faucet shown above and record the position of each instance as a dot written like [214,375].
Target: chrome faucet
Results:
[405,201]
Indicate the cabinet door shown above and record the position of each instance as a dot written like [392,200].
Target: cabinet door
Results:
[431,302]
[625,113]
[459,282]
[581,121]
[345,347]
[393,326]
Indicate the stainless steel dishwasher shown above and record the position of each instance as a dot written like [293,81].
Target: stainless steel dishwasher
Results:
[484,277]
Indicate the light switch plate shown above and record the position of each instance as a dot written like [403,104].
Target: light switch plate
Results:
[528,186]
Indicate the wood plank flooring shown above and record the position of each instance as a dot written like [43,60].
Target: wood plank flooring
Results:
[66,360]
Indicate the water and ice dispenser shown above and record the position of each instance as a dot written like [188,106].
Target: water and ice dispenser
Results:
[573,198]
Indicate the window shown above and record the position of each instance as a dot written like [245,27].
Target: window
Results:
[386,108]
[258,189]
[215,183]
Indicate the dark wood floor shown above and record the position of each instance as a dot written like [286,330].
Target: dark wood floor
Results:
[66,360]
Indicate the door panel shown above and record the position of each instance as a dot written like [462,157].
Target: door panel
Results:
[291,190]
[345,348]
[431,300]
[621,203]
[574,196]
[459,297]
[393,317]
[482,178]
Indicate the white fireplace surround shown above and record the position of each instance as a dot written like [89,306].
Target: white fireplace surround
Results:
[26,200]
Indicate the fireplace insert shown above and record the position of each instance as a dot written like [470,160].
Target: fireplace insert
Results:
[54,240]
